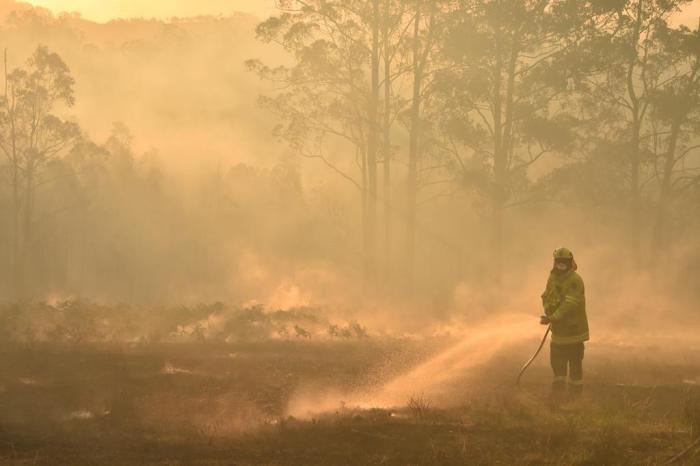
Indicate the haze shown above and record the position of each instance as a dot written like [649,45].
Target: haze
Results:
[318,231]
[106,10]
[114,9]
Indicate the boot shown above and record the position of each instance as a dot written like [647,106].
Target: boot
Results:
[558,389]
[575,389]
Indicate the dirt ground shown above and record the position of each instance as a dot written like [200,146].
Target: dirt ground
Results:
[207,403]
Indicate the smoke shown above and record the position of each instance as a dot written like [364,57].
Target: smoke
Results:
[439,379]
[630,314]
[203,205]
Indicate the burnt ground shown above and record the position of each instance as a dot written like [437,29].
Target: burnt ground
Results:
[207,403]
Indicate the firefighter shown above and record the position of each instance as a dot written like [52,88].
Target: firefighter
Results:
[564,304]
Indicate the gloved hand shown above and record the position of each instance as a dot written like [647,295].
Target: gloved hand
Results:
[544,320]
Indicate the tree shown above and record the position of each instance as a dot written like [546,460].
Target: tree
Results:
[32,136]
[676,109]
[393,33]
[504,90]
[625,71]
[329,99]
[421,50]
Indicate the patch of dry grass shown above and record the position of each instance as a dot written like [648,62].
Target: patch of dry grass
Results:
[221,409]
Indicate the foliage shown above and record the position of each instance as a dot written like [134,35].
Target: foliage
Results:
[77,322]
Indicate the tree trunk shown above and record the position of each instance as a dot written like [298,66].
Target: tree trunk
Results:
[413,152]
[659,233]
[16,206]
[15,230]
[504,151]
[372,149]
[499,168]
[386,150]
[26,255]
[635,226]
[366,236]
[635,162]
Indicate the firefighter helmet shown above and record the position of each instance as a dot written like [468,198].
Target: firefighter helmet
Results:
[563,253]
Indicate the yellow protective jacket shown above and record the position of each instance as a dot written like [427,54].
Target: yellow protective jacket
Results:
[564,303]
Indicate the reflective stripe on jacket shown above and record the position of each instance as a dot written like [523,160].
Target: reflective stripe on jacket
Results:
[564,303]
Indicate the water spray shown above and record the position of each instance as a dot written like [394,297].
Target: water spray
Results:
[534,356]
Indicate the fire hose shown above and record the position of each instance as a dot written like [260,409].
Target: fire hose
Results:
[534,356]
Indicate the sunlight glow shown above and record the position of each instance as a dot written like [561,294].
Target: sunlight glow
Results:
[105,10]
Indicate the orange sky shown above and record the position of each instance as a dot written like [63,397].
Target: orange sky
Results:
[689,16]
[104,10]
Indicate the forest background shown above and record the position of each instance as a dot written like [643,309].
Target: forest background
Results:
[420,159]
